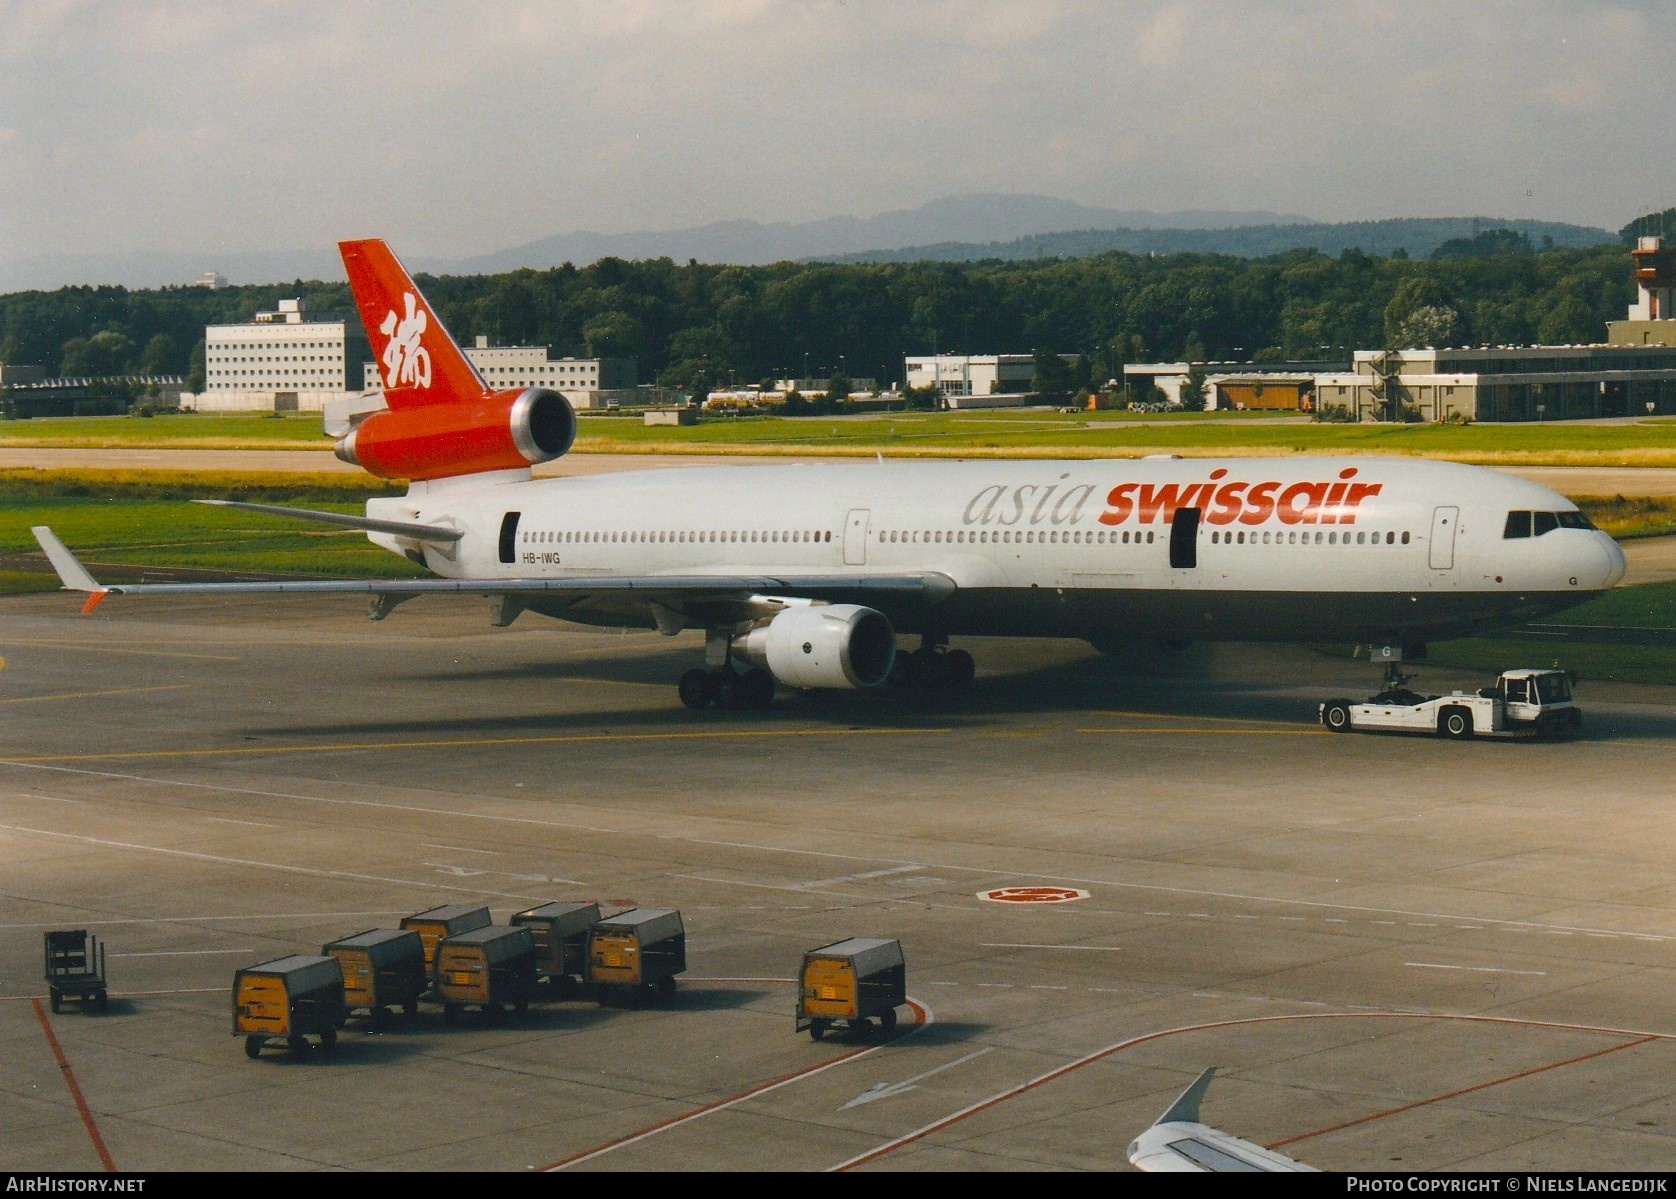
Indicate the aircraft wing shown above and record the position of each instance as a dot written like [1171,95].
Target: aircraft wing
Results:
[729,597]
[1178,1143]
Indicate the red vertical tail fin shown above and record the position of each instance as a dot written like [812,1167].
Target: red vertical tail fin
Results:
[417,359]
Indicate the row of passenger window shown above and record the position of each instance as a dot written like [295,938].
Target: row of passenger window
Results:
[1293,537]
[1535,524]
[1022,537]
[684,536]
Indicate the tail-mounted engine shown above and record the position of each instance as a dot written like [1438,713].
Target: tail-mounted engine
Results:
[508,430]
[823,645]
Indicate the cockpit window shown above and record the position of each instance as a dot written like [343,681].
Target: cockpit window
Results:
[1535,524]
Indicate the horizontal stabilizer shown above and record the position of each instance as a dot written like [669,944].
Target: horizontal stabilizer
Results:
[398,528]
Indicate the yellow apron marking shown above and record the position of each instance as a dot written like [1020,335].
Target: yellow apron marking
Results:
[35,699]
[458,742]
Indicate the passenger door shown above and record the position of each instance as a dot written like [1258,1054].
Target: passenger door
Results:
[855,537]
[1441,547]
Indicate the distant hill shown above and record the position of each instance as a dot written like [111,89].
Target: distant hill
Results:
[1416,237]
[967,218]
[979,217]
[954,229]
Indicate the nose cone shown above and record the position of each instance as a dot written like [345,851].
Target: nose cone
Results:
[1615,565]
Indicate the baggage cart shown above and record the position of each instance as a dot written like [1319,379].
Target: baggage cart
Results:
[383,968]
[75,968]
[287,1000]
[561,942]
[636,954]
[437,923]
[851,982]
[489,967]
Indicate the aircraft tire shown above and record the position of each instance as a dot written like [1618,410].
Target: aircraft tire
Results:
[756,688]
[725,686]
[695,688]
[1336,715]
[959,668]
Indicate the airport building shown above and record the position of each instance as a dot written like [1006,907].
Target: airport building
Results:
[579,380]
[282,361]
[973,374]
[1505,383]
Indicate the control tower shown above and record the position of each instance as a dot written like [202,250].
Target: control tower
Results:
[1652,317]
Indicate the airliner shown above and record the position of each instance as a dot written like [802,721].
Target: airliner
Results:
[1177,1143]
[810,576]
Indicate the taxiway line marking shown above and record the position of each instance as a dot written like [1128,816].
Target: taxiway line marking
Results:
[1027,945]
[75,1088]
[1494,1082]
[35,699]
[464,742]
[1215,732]
[1474,969]
[1129,1043]
[284,867]
[924,1018]
[143,653]
[181,953]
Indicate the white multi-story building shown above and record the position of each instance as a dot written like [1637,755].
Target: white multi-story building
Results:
[974,374]
[280,362]
[579,380]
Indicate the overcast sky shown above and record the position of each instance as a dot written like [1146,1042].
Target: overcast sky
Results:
[461,128]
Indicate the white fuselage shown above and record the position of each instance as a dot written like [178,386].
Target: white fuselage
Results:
[1298,548]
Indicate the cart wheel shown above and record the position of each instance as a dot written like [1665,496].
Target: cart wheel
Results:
[253,1047]
[329,1038]
[57,999]
[298,1047]
[666,988]
[602,996]
[102,1000]
[450,1013]
[887,1021]
[410,1007]
[817,1029]
[864,1026]
[521,1006]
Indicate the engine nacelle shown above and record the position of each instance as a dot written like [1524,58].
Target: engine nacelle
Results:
[507,430]
[823,645]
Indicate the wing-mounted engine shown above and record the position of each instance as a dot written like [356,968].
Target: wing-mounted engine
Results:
[823,645]
[507,430]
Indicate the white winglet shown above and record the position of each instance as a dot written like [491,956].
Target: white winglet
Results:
[71,573]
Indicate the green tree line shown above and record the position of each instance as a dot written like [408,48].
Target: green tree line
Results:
[704,324]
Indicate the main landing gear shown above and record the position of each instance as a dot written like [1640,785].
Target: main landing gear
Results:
[933,665]
[727,688]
